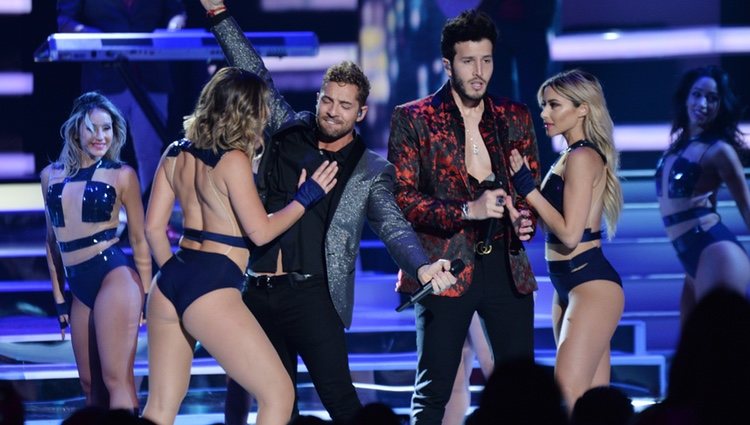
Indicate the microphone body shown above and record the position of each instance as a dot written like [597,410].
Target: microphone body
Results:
[484,246]
[457,267]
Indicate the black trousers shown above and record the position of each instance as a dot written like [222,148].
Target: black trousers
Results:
[443,322]
[299,319]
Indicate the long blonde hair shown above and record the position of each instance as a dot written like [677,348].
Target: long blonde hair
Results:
[71,155]
[231,113]
[580,87]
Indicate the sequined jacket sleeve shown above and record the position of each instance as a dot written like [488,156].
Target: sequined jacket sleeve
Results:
[367,195]
[240,53]
[388,222]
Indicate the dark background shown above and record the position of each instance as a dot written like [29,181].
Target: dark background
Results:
[637,91]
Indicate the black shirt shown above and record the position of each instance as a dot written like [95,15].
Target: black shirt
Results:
[302,246]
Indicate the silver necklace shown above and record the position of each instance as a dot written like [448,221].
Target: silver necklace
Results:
[474,147]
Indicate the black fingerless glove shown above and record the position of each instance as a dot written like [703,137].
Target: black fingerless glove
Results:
[62,308]
[309,193]
[523,181]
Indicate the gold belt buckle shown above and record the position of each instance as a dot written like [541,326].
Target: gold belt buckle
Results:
[482,249]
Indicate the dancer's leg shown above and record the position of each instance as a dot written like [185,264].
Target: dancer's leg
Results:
[170,355]
[588,325]
[227,329]
[80,336]
[116,318]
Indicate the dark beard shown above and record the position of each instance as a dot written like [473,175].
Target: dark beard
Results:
[458,85]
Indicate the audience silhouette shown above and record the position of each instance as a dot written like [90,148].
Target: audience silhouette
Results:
[602,406]
[376,414]
[520,392]
[11,405]
[710,370]
[308,420]
[95,415]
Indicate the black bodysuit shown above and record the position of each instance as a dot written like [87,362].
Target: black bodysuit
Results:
[97,205]
[586,266]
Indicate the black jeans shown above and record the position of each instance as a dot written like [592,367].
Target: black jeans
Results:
[443,322]
[299,319]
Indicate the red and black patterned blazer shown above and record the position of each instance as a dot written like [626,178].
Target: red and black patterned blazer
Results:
[427,147]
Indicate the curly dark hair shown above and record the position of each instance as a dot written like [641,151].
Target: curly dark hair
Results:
[470,25]
[726,124]
[347,72]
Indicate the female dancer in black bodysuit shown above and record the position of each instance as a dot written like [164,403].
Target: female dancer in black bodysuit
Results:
[83,192]
[197,292]
[703,156]
[580,189]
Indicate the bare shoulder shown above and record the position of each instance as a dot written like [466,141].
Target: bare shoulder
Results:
[127,171]
[721,148]
[721,154]
[49,173]
[234,158]
[585,163]
[44,176]
[234,165]
[126,177]
[45,173]
[584,156]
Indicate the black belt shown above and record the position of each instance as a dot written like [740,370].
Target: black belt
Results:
[685,215]
[587,236]
[572,265]
[292,279]
[484,247]
[104,235]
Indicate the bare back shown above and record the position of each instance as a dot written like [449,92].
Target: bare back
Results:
[213,186]
[181,176]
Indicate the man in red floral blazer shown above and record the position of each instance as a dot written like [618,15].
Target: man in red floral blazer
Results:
[451,153]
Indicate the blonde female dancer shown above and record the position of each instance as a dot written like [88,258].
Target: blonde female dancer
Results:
[580,189]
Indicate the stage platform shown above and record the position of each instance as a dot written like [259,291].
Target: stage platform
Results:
[381,342]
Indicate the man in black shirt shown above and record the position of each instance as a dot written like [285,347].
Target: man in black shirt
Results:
[302,285]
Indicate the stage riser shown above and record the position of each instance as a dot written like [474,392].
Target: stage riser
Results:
[46,355]
[59,398]
[385,358]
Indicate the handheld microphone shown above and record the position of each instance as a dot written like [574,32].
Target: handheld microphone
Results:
[484,246]
[457,267]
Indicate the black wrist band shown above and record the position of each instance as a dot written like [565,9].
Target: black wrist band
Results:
[309,193]
[523,181]
[62,308]
[217,18]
